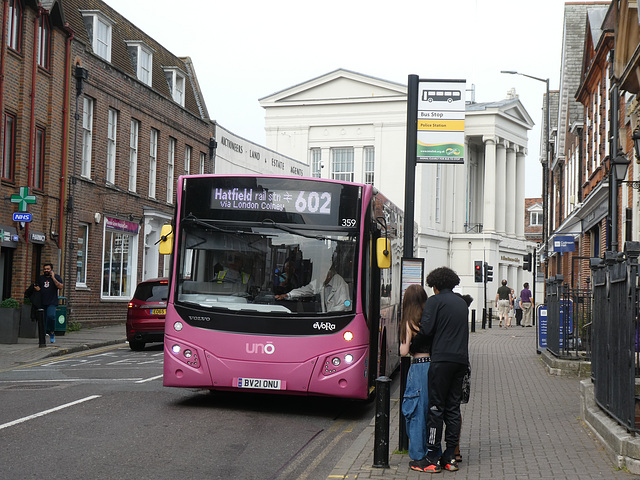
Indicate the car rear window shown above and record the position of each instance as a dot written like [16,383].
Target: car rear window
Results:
[151,292]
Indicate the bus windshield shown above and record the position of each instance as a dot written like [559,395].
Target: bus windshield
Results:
[265,267]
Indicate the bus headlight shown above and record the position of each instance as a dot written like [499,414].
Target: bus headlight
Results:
[348,358]
[348,336]
[188,353]
[178,326]
[175,349]
[335,361]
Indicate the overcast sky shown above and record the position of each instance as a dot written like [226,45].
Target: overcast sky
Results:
[245,50]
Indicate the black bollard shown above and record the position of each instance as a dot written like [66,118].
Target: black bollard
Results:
[484,318]
[42,341]
[490,315]
[403,439]
[381,440]
[473,321]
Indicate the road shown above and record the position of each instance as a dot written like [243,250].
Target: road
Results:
[105,414]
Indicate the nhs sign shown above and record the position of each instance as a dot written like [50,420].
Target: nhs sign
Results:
[21,217]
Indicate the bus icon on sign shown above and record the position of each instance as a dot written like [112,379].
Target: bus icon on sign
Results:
[21,217]
[441,95]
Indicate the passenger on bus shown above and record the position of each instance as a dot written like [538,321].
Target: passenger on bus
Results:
[288,278]
[334,292]
[233,273]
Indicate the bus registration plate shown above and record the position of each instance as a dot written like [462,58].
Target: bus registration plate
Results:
[261,383]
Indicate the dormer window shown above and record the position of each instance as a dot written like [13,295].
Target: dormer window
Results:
[142,60]
[176,81]
[99,29]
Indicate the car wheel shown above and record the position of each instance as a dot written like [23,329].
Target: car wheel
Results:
[136,345]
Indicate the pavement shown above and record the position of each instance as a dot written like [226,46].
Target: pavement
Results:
[521,422]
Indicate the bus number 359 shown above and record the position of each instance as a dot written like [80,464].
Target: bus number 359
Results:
[314,202]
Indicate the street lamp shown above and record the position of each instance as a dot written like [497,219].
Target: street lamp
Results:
[545,161]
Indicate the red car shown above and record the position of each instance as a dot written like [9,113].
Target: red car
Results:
[146,312]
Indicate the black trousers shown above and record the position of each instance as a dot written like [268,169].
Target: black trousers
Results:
[445,392]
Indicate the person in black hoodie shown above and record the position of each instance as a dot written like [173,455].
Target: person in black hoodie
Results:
[445,322]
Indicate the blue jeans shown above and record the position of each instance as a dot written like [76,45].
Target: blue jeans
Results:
[50,318]
[415,405]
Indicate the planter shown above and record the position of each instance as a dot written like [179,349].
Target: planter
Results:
[28,328]
[9,325]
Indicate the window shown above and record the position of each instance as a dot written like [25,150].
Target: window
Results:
[133,154]
[176,81]
[38,160]
[187,160]
[14,28]
[99,30]
[342,164]
[44,41]
[369,164]
[153,162]
[142,59]
[203,159]
[112,129]
[8,158]
[120,260]
[535,219]
[170,168]
[81,255]
[87,136]
[316,163]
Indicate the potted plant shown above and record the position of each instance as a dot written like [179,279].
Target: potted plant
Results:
[9,320]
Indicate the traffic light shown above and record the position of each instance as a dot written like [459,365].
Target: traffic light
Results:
[526,263]
[488,273]
[477,271]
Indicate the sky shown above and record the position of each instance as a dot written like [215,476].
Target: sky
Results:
[246,50]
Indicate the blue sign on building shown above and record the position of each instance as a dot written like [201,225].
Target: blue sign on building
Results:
[21,217]
[564,243]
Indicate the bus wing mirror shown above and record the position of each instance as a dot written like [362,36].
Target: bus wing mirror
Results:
[384,253]
[165,246]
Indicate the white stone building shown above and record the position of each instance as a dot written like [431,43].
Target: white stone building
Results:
[351,126]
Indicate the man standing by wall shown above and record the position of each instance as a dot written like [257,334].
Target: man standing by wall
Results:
[503,302]
[48,285]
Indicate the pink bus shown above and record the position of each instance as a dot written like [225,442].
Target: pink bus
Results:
[287,285]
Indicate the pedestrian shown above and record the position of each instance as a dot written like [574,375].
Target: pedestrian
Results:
[415,402]
[49,284]
[444,323]
[526,303]
[518,310]
[503,303]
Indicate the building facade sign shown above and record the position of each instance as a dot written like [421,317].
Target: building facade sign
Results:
[37,237]
[237,155]
[8,237]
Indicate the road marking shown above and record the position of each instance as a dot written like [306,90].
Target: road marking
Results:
[46,412]
[149,379]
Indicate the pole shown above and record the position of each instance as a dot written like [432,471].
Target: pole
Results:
[409,215]
[545,181]
[381,438]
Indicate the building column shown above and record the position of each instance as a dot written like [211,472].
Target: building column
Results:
[501,181]
[510,222]
[520,187]
[489,207]
[358,164]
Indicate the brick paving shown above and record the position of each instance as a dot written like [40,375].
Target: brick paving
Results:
[521,423]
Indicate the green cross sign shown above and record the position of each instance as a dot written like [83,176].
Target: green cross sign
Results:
[23,199]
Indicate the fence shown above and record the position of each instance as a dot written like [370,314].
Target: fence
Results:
[569,314]
[615,362]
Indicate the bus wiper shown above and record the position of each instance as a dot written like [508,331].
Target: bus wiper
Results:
[267,222]
[193,219]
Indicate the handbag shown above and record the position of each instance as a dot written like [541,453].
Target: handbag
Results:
[466,387]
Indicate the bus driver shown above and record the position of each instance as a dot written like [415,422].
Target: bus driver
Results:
[334,292]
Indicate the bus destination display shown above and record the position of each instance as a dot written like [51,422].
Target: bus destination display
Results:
[263,200]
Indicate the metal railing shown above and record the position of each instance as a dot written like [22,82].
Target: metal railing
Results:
[615,362]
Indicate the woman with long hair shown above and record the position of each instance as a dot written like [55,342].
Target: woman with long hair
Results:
[416,397]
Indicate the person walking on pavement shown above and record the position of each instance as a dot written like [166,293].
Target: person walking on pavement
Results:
[526,303]
[444,323]
[518,310]
[49,284]
[415,402]
[503,303]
